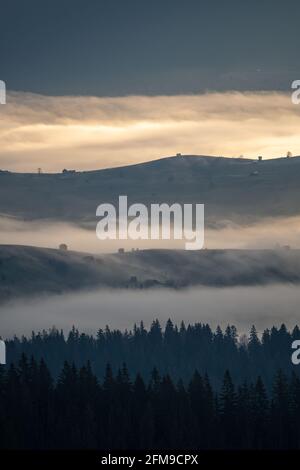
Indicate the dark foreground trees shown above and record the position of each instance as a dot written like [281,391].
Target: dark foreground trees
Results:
[77,411]
[176,351]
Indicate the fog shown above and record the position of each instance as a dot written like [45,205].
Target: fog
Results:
[242,306]
[89,311]
[268,233]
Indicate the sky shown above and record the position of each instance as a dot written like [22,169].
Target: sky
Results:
[117,47]
[102,83]
[84,133]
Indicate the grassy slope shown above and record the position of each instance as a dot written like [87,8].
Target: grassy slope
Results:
[32,271]
[225,185]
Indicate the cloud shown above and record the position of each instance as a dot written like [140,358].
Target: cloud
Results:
[92,132]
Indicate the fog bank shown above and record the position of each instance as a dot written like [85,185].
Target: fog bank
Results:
[241,306]
[268,233]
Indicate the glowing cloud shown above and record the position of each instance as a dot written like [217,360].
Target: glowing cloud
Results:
[90,132]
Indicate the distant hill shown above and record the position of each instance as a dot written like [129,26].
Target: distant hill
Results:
[236,189]
[31,271]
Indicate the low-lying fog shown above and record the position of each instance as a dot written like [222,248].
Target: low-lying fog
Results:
[89,311]
[241,306]
[265,234]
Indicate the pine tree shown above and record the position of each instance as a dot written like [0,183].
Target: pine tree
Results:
[228,412]
[281,411]
[259,415]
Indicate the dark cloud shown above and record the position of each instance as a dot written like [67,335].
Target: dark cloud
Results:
[115,47]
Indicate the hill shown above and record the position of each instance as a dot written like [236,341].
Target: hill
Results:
[31,271]
[241,190]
